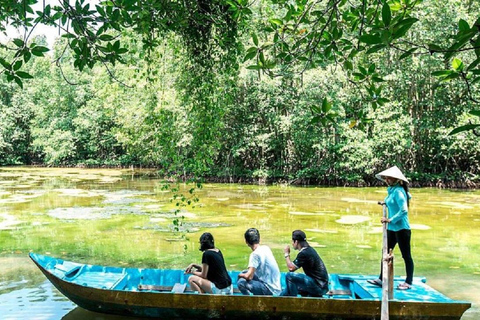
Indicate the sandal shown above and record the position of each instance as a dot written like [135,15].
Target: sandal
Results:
[375,282]
[404,286]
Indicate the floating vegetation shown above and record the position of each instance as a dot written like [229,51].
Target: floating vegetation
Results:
[316,245]
[321,231]
[222,199]
[19,198]
[9,222]
[151,207]
[126,197]
[91,213]
[376,230]
[301,213]
[355,200]
[363,246]
[352,219]
[206,224]
[419,227]
[249,206]
[77,192]
[453,205]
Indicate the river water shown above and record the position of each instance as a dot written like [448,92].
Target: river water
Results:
[127,218]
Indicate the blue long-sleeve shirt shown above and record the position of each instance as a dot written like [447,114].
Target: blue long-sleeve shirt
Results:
[396,202]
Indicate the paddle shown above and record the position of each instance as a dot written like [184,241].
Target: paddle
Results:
[385,274]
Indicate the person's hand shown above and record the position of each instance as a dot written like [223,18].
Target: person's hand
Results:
[385,220]
[286,250]
[189,268]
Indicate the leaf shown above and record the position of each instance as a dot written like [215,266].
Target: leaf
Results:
[348,65]
[457,65]
[18,81]
[106,37]
[473,65]
[255,39]
[5,64]
[463,25]
[407,54]
[39,51]
[475,81]
[451,76]
[467,127]
[26,56]
[376,48]
[377,79]
[386,14]
[370,39]
[277,22]
[401,31]
[326,106]
[434,48]
[18,42]
[17,65]
[250,56]
[475,113]
[24,75]
[441,73]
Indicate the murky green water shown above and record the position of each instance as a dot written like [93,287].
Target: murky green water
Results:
[125,218]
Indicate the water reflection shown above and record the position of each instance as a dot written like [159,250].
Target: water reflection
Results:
[41,303]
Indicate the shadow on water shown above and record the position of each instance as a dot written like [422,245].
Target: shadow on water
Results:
[82,314]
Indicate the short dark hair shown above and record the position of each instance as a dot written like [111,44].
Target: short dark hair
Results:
[206,241]
[252,236]
[301,237]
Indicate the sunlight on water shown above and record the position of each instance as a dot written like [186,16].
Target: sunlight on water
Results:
[87,215]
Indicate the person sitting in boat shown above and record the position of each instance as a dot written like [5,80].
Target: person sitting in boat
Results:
[314,282]
[212,275]
[263,274]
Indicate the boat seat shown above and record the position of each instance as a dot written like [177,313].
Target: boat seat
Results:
[69,272]
[120,283]
[339,293]
[179,288]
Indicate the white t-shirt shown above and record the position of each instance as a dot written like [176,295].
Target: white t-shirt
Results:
[266,268]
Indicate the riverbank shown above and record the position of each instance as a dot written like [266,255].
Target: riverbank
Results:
[457,180]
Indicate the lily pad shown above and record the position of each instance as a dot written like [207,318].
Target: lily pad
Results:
[420,227]
[352,219]
[249,206]
[321,231]
[8,222]
[354,200]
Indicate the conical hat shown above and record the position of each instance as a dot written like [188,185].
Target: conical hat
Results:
[392,172]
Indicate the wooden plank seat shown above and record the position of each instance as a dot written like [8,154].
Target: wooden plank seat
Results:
[182,287]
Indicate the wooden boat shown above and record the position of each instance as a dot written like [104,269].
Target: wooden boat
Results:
[164,294]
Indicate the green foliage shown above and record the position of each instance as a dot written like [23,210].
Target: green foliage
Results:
[351,87]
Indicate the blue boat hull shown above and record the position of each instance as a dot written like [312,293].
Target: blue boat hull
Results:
[148,293]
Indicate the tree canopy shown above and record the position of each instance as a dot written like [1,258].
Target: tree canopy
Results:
[260,88]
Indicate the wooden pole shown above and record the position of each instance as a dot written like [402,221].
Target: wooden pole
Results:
[390,275]
[385,273]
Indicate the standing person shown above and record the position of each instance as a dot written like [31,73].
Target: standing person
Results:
[398,230]
[314,282]
[212,275]
[263,274]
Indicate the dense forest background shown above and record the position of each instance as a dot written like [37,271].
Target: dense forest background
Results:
[224,119]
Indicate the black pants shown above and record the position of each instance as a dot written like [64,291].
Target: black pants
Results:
[402,237]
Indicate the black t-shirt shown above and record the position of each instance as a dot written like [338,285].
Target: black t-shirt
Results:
[312,265]
[217,272]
